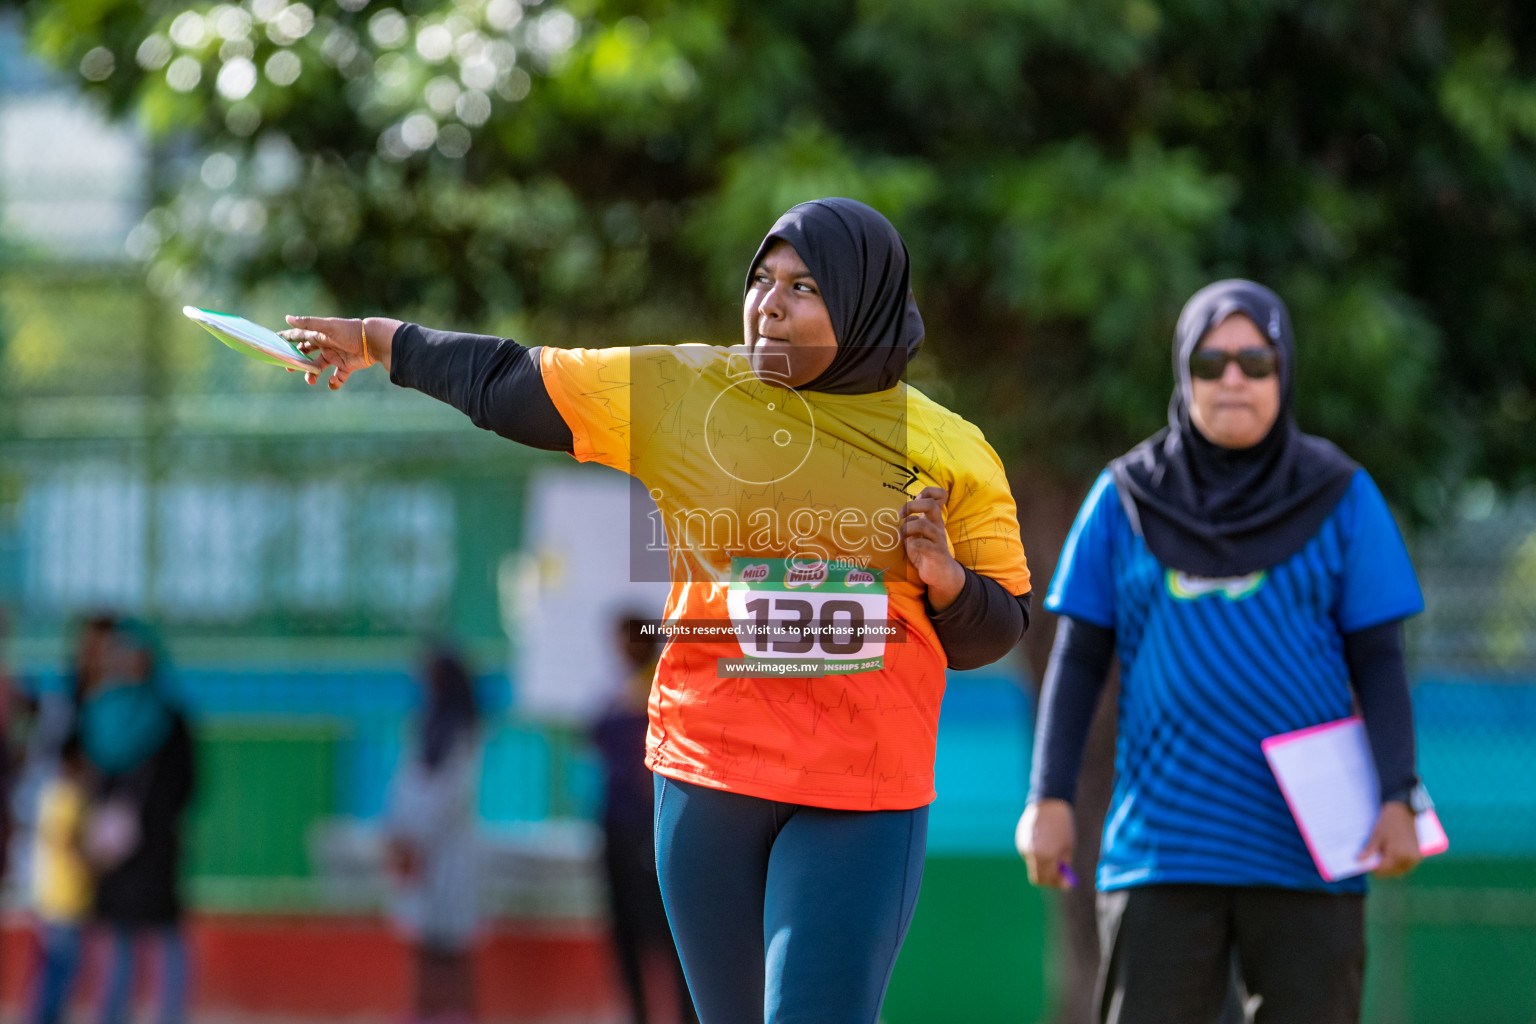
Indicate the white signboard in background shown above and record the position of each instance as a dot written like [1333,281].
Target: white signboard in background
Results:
[562,594]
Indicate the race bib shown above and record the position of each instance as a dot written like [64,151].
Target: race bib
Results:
[803,617]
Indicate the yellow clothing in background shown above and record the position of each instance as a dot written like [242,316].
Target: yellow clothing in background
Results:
[61,878]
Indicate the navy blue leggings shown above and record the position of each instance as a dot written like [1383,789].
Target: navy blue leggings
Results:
[784,913]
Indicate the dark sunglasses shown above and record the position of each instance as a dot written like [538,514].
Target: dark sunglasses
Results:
[1256,363]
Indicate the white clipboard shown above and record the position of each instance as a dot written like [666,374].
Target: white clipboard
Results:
[251,339]
[1329,781]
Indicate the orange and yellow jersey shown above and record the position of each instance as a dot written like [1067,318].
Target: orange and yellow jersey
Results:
[801,665]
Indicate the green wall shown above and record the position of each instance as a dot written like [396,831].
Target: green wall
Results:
[1453,944]
[976,951]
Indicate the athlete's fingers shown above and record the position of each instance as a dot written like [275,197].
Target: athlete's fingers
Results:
[929,496]
[929,504]
[323,335]
[911,523]
[920,507]
[319,324]
[310,341]
[322,357]
[321,364]
[922,529]
[307,342]
[928,508]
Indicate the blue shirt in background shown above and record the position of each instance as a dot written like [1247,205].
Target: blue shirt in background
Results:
[1209,669]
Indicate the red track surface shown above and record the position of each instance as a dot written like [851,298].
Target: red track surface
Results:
[356,967]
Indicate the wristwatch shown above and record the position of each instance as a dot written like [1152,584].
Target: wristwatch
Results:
[1415,796]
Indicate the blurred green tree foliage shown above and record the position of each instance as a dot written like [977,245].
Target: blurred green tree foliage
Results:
[1065,172]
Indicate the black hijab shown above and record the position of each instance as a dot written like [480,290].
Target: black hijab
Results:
[1218,512]
[860,264]
[451,710]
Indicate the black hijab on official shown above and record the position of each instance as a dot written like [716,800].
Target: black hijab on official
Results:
[1219,512]
[860,264]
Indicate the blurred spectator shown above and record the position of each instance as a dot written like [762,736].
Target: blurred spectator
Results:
[21,785]
[141,748]
[50,716]
[61,880]
[629,845]
[7,751]
[430,827]
[7,760]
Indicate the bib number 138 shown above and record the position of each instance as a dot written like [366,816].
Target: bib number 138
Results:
[818,611]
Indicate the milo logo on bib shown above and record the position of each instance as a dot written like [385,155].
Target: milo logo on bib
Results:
[806,617]
[802,575]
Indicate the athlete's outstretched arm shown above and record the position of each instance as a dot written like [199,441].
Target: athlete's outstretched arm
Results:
[494,381]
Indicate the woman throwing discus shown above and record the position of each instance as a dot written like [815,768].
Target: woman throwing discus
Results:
[836,540]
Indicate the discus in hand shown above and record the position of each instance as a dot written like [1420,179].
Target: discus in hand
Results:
[251,339]
[331,341]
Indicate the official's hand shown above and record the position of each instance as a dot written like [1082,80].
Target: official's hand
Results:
[338,343]
[1394,840]
[927,547]
[1046,838]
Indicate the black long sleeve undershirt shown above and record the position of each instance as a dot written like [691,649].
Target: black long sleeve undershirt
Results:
[983,624]
[1074,679]
[497,383]
[494,381]
[1379,673]
[1080,659]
